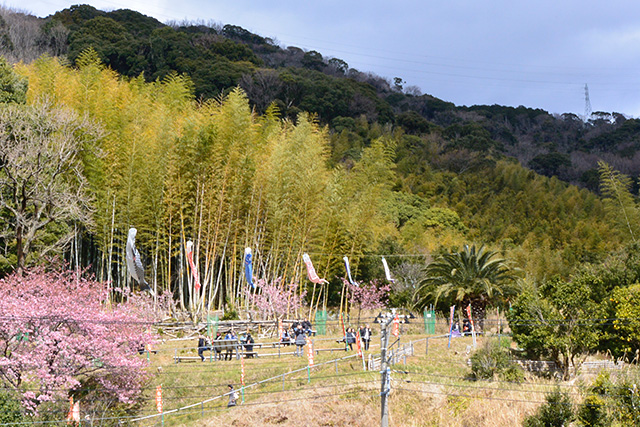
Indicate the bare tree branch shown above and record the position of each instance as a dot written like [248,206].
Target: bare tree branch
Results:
[41,174]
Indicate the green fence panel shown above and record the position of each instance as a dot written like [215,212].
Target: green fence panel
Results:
[430,322]
[212,325]
[321,322]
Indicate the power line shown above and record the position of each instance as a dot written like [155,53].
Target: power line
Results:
[330,322]
[200,411]
[194,387]
[484,380]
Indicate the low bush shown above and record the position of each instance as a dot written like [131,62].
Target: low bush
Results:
[10,408]
[556,412]
[494,361]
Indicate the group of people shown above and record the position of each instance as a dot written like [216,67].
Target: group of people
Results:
[289,336]
[229,343]
[297,335]
[466,328]
[365,337]
[300,334]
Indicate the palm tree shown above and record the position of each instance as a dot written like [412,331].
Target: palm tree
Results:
[470,277]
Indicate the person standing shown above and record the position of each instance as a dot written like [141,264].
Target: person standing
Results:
[301,340]
[248,344]
[230,344]
[365,335]
[216,347]
[351,338]
[202,346]
[233,396]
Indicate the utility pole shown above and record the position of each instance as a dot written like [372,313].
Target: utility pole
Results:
[385,376]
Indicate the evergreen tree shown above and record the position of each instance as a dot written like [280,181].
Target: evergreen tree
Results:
[470,277]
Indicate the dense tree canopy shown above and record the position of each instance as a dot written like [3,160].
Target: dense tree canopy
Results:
[188,155]
[218,57]
[557,321]
[472,276]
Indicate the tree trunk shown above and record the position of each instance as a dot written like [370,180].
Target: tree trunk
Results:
[19,249]
[566,374]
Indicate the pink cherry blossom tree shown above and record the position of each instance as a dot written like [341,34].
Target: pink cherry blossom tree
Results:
[275,300]
[60,337]
[367,296]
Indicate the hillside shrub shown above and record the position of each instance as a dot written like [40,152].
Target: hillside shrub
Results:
[10,408]
[556,412]
[494,361]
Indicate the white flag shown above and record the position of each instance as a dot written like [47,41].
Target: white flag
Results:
[387,273]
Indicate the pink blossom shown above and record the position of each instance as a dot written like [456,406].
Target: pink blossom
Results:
[59,333]
[368,296]
[275,300]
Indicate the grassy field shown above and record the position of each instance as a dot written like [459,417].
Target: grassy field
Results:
[428,389]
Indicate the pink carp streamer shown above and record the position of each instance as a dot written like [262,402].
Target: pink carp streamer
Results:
[311,272]
[196,276]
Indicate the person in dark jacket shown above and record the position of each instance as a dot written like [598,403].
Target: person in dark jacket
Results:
[466,327]
[230,343]
[217,347]
[365,336]
[248,343]
[306,325]
[202,346]
[233,395]
[301,339]
[351,338]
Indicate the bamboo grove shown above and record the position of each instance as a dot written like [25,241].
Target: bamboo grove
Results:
[218,174]
[215,173]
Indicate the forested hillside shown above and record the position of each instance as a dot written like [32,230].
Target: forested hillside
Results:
[219,57]
[213,134]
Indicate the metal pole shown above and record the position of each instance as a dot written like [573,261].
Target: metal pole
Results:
[384,374]
[426,350]
[282,382]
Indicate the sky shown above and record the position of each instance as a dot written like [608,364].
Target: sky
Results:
[539,54]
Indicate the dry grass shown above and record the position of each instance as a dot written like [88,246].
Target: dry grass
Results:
[430,390]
